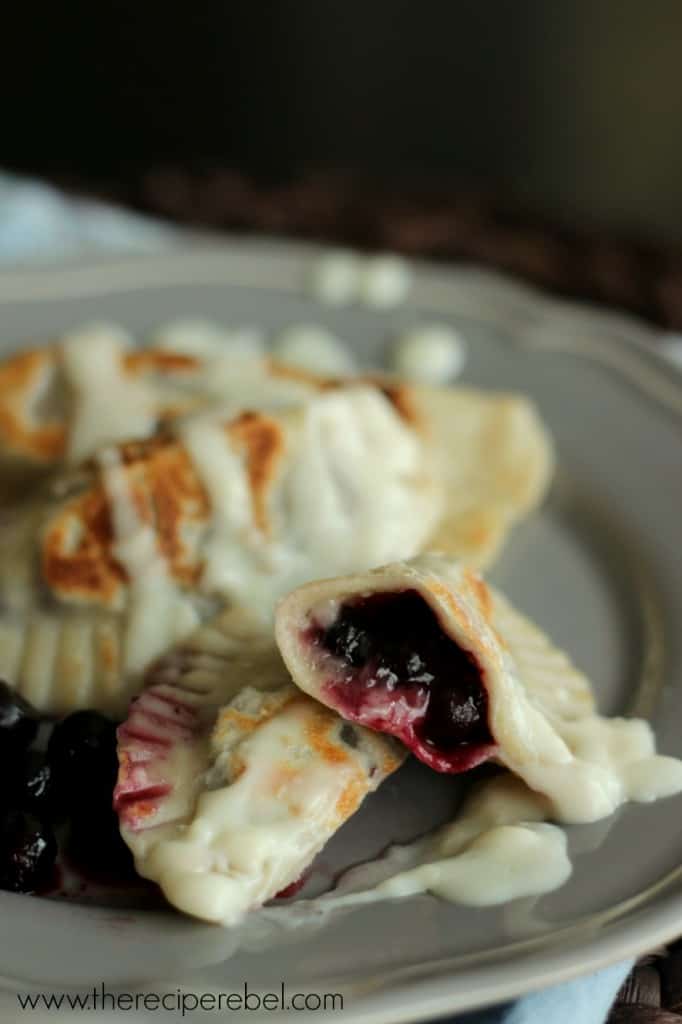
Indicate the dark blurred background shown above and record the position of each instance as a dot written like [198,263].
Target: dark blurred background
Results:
[565,113]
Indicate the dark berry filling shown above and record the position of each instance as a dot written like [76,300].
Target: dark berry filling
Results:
[397,671]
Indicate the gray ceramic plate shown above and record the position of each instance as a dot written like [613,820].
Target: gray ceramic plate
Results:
[599,567]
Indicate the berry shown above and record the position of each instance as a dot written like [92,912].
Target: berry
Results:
[83,762]
[96,847]
[28,851]
[36,785]
[31,786]
[18,722]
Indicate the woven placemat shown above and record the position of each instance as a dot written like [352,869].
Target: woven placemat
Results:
[429,220]
[442,224]
[652,994]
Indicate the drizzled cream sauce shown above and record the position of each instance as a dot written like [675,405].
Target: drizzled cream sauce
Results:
[108,405]
[350,494]
[208,340]
[313,347]
[498,849]
[347,496]
[608,761]
[158,614]
[236,556]
[381,281]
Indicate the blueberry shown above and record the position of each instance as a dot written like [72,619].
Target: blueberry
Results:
[18,722]
[82,756]
[28,851]
[95,846]
[36,781]
[29,786]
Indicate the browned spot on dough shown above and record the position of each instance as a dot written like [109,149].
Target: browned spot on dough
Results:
[444,594]
[481,593]
[350,799]
[169,486]
[167,494]
[157,360]
[392,759]
[108,652]
[260,440]
[85,568]
[399,394]
[402,399]
[20,378]
[319,732]
[297,373]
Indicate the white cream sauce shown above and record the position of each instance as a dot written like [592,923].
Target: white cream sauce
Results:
[502,864]
[157,613]
[313,347]
[351,492]
[208,340]
[108,405]
[233,365]
[384,281]
[497,849]
[334,277]
[429,354]
[246,382]
[341,277]
[237,558]
[608,762]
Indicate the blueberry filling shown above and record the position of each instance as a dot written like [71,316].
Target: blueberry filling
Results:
[397,671]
